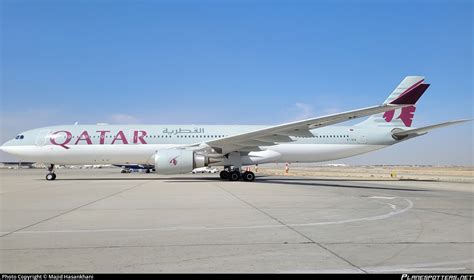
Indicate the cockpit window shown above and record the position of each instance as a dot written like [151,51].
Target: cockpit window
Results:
[18,137]
[22,136]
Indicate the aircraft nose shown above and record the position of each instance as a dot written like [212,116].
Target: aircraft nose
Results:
[5,145]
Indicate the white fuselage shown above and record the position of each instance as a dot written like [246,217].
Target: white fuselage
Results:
[137,144]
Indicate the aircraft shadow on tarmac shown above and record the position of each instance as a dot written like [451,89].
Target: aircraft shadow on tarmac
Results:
[260,180]
[322,183]
[172,179]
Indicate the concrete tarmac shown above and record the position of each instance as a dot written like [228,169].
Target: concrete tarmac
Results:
[104,221]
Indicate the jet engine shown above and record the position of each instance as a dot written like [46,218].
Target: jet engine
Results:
[174,161]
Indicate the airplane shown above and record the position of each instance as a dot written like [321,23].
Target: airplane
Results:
[128,168]
[178,149]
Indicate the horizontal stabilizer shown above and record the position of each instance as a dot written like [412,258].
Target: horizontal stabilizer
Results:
[423,130]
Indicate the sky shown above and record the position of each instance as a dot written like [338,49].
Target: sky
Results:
[237,62]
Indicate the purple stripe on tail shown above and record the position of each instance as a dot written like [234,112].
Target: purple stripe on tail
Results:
[412,96]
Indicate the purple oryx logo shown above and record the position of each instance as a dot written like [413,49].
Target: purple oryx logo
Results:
[173,161]
[406,115]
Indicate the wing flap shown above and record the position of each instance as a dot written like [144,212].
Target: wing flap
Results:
[254,143]
[250,149]
[300,132]
[276,138]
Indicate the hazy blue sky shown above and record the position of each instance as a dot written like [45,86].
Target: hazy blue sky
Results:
[237,62]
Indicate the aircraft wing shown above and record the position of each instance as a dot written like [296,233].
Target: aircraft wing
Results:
[272,135]
[251,141]
[425,129]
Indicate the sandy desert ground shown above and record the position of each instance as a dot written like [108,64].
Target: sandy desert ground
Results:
[422,173]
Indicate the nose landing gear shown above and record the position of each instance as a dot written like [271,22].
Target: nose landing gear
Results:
[51,176]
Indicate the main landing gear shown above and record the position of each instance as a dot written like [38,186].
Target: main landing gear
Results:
[235,175]
[51,176]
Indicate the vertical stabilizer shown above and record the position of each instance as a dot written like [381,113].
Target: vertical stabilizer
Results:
[401,117]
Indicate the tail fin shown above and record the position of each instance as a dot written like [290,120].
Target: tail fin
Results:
[401,117]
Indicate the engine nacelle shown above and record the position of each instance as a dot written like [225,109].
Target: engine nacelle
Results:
[174,161]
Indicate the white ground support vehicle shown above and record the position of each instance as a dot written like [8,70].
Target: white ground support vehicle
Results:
[205,170]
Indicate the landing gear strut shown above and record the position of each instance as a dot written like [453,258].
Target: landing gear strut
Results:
[233,174]
[51,176]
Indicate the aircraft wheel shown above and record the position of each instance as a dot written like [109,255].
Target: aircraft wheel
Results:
[234,176]
[248,176]
[50,176]
[224,174]
[147,171]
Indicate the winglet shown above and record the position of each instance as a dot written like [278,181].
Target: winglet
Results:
[411,96]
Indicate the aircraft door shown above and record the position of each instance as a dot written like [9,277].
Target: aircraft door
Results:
[42,137]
